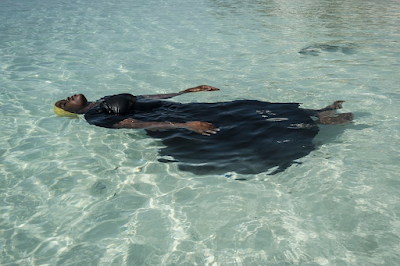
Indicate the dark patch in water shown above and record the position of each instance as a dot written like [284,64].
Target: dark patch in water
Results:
[317,49]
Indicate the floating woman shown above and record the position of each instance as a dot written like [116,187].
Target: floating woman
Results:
[243,136]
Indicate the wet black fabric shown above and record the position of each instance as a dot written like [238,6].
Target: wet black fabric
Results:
[254,136]
[120,104]
[115,108]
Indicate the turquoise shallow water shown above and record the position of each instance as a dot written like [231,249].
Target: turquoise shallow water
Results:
[74,194]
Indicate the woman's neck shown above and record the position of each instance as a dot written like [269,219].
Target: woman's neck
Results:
[88,107]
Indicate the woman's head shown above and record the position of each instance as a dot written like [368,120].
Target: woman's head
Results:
[73,104]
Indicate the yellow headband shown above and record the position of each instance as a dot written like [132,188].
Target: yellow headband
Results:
[62,112]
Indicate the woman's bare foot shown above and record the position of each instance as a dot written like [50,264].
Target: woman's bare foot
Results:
[335,120]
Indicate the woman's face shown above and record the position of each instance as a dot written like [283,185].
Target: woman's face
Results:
[73,104]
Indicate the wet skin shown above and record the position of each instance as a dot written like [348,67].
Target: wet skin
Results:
[73,104]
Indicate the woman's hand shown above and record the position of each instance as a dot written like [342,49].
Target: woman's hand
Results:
[127,123]
[201,88]
[203,128]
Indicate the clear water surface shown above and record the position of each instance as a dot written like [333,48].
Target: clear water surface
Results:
[75,194]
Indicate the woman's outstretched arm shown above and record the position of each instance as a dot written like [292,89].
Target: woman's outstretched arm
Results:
[170,95]
[199,127]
